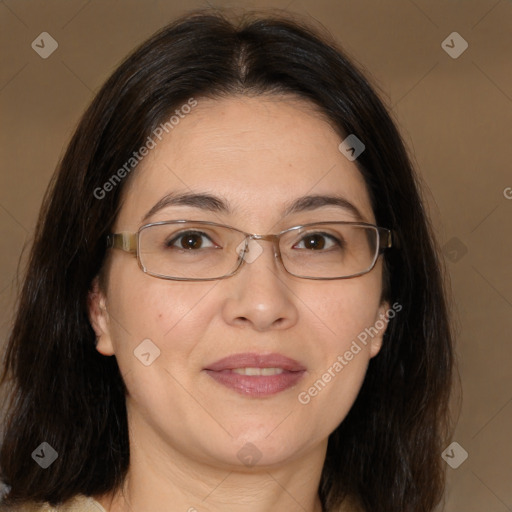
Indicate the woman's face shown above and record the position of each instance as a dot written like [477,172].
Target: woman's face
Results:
[257,155]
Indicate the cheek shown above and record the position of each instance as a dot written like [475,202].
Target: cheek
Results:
[335,382]
[344,310]
[344,314]
[170,314]
[157,327]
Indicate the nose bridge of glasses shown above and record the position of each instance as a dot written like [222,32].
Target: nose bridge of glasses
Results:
[273,239]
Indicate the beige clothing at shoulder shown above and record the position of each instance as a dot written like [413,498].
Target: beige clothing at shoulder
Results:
[84,504]
[78,504]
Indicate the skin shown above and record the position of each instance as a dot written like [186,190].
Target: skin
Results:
[258,154]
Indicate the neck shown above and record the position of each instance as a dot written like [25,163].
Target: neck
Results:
[160,475]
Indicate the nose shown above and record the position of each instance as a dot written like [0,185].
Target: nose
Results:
[260,294]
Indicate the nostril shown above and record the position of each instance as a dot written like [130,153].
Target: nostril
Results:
[242,320]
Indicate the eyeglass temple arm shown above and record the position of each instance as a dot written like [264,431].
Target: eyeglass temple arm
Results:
[125,241]
[388,238]
[391,240]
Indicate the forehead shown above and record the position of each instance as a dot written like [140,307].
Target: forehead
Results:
[256,153]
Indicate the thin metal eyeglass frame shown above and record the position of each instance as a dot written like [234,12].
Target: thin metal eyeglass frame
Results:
[129,242]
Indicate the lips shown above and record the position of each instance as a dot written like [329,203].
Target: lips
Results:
[256,375]
[251,360]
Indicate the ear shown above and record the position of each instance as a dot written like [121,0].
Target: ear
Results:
[99,318]
[380,324]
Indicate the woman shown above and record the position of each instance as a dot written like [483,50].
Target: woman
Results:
[233,301]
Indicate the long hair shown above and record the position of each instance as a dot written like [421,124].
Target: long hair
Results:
[386,452]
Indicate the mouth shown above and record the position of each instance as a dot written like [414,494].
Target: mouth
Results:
[256,375]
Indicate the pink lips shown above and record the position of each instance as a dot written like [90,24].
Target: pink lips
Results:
[256,385]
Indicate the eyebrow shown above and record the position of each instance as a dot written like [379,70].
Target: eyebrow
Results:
[208,202]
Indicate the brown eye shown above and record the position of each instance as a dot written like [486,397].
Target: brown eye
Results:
[189,240]
[318,242]
[314,242]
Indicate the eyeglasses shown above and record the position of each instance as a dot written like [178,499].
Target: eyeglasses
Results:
[185,250]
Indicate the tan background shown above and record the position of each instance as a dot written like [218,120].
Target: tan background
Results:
[455,115]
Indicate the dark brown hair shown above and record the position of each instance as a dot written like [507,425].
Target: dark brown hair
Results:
[386,453]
